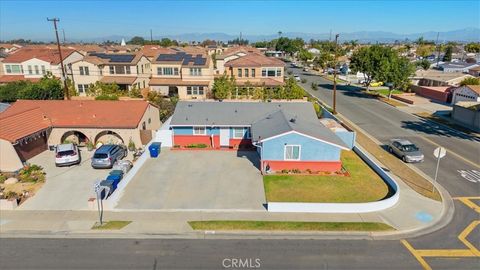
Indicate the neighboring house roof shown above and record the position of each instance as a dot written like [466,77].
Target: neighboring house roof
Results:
[474,88]
[14,78]
[175,82]
[472,105]
[118,79]
[255,60]
[237,49]
[115,58]
[9,46]
[182,58]
[84,113]
[153,50]
[439,75]
[15,126]
[266,118]
[457,65]
[477,68]
[45,54]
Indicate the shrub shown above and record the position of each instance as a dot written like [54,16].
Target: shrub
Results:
[289,72]
[31,173]
[296,171]
[2,178]
[131,145]
[303,80]
[314,86]
[106,97]
[198,145]
[176,146]
[284,171]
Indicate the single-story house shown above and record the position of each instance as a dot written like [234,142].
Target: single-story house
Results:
[438,78]
[29,127]
[475,71]
[466,93]
[457,66]
[286,135]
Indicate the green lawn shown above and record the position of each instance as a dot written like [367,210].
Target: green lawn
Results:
[111,225]
[363,185]
[228,225]
[385,92]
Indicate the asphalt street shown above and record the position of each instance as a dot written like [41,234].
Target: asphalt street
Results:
[385,122]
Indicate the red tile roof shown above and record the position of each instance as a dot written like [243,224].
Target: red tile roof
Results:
[237,49]
[85,113]
[15,126]
[153,50]
[45,54]
[255,60]
[14,78]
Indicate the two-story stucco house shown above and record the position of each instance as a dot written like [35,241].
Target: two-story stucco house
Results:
[34,63]
[182,74]
[127,70]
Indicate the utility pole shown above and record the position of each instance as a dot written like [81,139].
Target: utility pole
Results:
[438,49]
[151,36]
[335,76]
[55,20]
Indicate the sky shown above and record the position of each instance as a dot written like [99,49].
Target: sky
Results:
[94,19]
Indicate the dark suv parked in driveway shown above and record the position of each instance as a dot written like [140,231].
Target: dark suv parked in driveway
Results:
[106,155]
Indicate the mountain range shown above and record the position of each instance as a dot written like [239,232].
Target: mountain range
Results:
[471,34]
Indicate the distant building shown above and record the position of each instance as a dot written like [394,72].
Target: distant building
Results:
[438,78]
[466,93]
[457,67]
[474,71]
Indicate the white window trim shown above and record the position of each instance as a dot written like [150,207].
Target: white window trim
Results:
[238,128]
[200,134]
[285,151]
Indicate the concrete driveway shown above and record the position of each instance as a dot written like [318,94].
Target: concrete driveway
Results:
[197,180]
[66,188]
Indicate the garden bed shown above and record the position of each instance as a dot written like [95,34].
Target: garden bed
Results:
[363,185]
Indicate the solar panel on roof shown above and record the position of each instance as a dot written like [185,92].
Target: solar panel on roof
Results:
[117,58]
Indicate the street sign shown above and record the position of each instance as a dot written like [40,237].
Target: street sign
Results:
[439,152]
[96,187]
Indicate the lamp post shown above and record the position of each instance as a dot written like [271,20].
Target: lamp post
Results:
[335,77]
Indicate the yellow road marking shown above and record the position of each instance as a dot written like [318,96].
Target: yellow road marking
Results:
[445,253]
[452,152]
[463,237]
[468,202]
[419,258]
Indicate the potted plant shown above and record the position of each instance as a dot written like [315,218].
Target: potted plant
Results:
[89,145]
[131,145]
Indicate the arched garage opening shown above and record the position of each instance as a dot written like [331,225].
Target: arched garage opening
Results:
[74,136]
[108,137]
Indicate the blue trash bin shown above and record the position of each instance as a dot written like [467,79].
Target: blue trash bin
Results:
[154,149]
[115,180]
[116,172]
[109,184]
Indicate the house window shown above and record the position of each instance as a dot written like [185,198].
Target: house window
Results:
[271,72]
[175,71]
[84,71]
[43,70]
[292,152]
[195,90]
[167,71]
[144,126]
[159,71]
[246,72]
[199,131]
[195,72]
[239,73]
[238,133]
[128,69]
[112,69]
[30,71]
[37,71]
[253,72]
[82,88]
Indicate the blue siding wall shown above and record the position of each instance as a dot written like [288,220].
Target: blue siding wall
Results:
[348,137]
[189,130]
[311,150]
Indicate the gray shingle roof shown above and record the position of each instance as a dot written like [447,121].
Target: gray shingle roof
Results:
[267,119]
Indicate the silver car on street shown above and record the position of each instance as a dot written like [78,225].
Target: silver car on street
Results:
[406,150]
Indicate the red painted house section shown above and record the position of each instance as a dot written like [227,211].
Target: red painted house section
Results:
[184,140]
[240,142]
[323,166]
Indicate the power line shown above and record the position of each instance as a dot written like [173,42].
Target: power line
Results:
[66,93]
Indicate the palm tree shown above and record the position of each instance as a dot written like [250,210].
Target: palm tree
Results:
[280,33]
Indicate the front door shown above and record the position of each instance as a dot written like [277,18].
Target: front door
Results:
[224,136]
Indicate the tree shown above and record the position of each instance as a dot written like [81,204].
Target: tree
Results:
[166,42]
[166,107]
[448,54]
[9,92]
[49,87]
[293,90]
[104,91]
[425,50]
[382,64]
[424,63]
[470,81]
[223,87]
[472,47]
[136,40]
[305,55]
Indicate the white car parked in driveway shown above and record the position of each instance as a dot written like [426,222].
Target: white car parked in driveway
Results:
[297,78]
[67,154]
